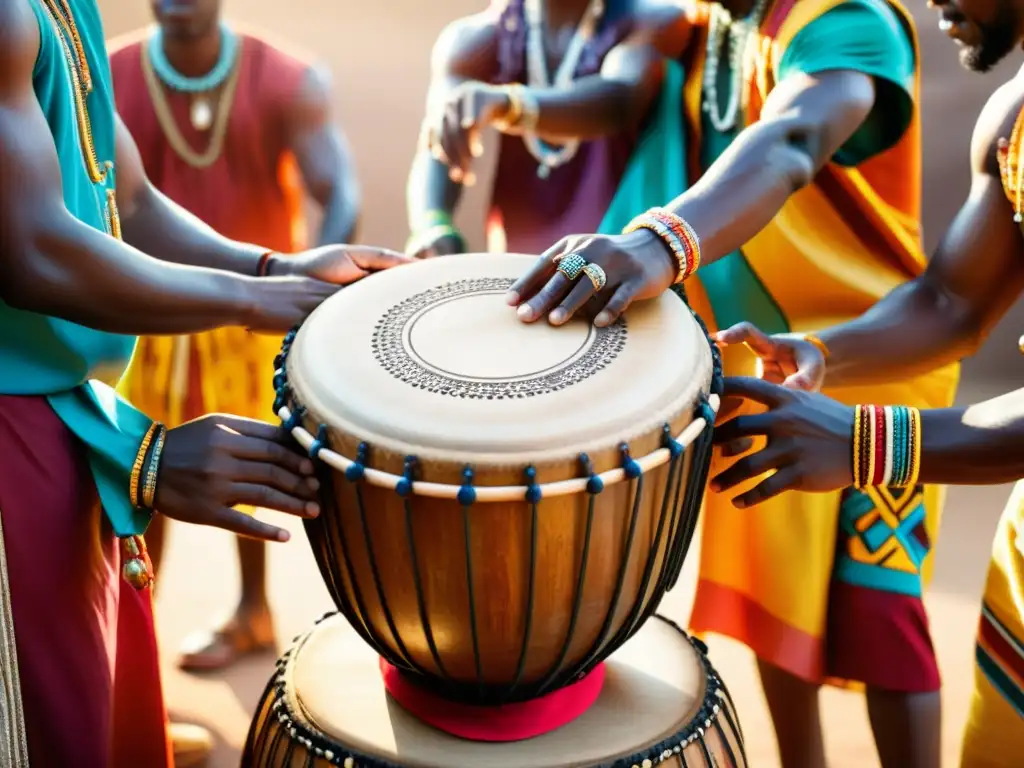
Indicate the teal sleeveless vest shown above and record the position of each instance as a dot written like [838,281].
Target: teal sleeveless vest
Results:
[75,367]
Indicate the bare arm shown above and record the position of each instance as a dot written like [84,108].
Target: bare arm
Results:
[156,225]
[52,263]
[979,445]
[324,159]
[805,120]
[973,278]
[465,51]
[618,97]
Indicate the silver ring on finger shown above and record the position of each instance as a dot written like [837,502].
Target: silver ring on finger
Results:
[572,266]
[597,276]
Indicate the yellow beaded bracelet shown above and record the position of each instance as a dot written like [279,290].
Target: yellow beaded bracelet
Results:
[140,458]
[149,491]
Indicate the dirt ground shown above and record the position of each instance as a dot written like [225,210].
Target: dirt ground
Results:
[379,54]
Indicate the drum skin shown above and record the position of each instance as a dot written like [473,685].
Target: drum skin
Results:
[497,601]
[663,704]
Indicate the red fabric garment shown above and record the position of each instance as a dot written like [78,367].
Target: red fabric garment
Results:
[86,645]
[507,722]
[252,192]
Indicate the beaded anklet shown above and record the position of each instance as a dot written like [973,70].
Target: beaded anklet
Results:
[677,235]
[886,446]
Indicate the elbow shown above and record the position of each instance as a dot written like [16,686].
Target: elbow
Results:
[27,282]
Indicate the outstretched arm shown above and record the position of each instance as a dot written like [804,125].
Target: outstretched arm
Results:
[810,442]
[324,158]
[973,278]
[54,264]
[941,316]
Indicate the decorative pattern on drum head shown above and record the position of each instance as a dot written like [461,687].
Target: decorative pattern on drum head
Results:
[392,352]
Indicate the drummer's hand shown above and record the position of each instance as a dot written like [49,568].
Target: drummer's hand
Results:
[786,359]
[809,444]
[445,245]
[454,127]
[637,266]
[214,463]
[338,264]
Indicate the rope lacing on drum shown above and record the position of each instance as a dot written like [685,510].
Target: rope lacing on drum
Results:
[295,418]
[404,489]
[466,498]
[357,470]
[319,444]
[594,486]
[533,496]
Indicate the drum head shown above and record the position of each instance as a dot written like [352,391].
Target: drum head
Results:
[654,686]
[428,359]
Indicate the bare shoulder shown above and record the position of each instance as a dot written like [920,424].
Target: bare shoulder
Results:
[665,24]
[19,44]
[468,43]
[996,122]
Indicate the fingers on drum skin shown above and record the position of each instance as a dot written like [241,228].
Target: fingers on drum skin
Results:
[378,258]
[582,292]
[265,497]
[745,426]
[543,268]
[617,304]
[556,288]
[273,446]
[245,525]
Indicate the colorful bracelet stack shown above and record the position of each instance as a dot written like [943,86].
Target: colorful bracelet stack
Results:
[146,467]
[677,235]
[430,228]
[886,446]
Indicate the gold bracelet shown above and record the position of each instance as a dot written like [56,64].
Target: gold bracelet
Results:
[810,338]
[149,491]
[514,93]
[140,458]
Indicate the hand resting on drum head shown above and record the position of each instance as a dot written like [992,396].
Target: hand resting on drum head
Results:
[216,462]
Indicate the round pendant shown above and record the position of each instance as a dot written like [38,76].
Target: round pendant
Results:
[201,114]
[543,171]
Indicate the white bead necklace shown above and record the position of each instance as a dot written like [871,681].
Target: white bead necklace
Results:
[738,31]
[537,75]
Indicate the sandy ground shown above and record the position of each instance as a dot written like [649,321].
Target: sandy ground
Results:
[378,53]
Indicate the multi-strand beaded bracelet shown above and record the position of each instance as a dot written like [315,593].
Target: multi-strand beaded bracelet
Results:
[886,446]
[142,485]
[677,235]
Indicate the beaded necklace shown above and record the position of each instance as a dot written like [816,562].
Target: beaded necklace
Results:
[1011,169]
[722,26]
[538,75]
[169,126]
[200,88]
[66,30]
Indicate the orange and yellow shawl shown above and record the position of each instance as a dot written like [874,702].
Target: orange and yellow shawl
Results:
[834,250]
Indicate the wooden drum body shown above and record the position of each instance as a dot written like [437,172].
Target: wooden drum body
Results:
[662,704]
[504,504]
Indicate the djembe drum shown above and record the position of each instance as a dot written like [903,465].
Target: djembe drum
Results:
[661,704]
[503,505]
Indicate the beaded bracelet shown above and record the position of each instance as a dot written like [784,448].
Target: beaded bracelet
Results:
[886,446]
[153,469]
[140,459]
[677,235]
[432,234]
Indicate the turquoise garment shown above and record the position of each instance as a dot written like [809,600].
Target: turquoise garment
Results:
[860,35]
[72,366]
[656,172]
